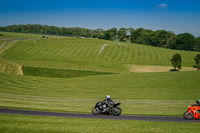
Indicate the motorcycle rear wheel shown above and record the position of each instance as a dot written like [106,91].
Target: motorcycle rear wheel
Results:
[95,111]
[117,111]
[187,115]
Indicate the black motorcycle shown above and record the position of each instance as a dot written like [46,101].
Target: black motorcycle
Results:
[113,109]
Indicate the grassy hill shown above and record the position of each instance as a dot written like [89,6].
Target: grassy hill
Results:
[82,54]
[59,57]
[71,53]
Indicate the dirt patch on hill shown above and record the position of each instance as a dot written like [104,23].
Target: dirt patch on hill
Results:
[20,72]
[102,48]
[10,67]
[145,68]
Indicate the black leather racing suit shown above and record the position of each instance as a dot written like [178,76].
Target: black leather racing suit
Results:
[107,102]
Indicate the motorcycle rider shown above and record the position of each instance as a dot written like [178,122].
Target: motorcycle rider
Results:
[107,102]
[198,102]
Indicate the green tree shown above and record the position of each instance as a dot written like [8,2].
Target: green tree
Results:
[136,35]
[111,34]
[171,38]
[197,59]
[158,38]
[197,46]
[176,61]
[184,41]
[142,36]
[100,33]
[161,38]
[146,36]
[122,34]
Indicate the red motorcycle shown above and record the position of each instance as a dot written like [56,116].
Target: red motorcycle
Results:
[193,111]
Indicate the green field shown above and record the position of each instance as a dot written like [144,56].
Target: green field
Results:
[1,42]
[68,75]
[159,92]
[37,124]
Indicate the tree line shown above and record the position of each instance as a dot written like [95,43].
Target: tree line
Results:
[54,30]
[159,38]
[166,39]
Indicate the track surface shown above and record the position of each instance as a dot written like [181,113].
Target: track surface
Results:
[76,115]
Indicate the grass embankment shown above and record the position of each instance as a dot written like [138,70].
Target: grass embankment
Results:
[12,35]
[8,66]
[143,93]
[77,54]
[7,46]
[81,54]
[35,124]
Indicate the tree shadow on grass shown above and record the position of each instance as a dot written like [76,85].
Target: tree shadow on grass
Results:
[195,66]
[173,70]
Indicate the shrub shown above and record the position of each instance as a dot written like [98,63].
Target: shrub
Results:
[176,61]
[197,59]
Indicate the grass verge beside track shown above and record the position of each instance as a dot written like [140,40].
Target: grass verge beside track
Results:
[85,105]
[19,123]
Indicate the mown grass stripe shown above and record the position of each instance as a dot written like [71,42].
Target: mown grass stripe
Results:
[156,55]
[113,53]
[88,51]
[55,50]
[68,49]
[74,50]
[83,50]
[127,54]
[104,54]
[120,55]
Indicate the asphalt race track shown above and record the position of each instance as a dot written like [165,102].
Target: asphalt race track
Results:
[76,115]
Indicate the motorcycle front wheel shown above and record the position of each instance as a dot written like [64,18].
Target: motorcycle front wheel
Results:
[116,111]
[187,115]
[95,111]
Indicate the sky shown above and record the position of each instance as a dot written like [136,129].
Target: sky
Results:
[179,16]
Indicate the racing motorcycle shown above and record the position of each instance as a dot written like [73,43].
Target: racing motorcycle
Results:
[193,111]
[112,110]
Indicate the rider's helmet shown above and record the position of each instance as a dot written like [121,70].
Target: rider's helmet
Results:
[107,96]
[198,101]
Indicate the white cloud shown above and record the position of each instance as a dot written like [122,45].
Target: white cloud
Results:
[162,6]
